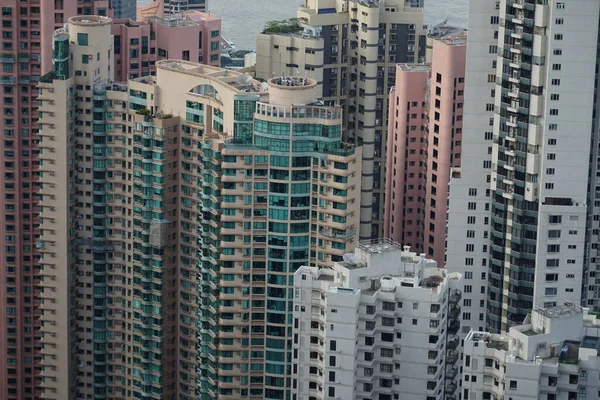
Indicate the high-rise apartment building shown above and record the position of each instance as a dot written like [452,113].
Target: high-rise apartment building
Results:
[424,144]
[553,356]
[381,325]
[192,36]
[351,49]
[524,203]
[124,8]
[175,199]
[26,54]
[280,194]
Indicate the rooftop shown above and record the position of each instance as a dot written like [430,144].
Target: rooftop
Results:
[414,67]
[172,21]
[236,80]
[376,246]
[90,20]
[566,310]
[459,40]
[491,341]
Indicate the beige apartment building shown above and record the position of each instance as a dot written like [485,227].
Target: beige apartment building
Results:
[174,212]
[351,49]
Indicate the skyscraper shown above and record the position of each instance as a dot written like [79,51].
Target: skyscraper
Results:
[527,161]
[281,194]
[351,49]
[173,199]
[26,54]
[424,144]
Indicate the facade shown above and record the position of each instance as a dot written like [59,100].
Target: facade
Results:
[145,188]
[162,8]
[553,356]
[424,145]
[273,200]
[538,244]
[124,8]
[382,325]
[26,54]
[351,48]
[471,184]
[192,36]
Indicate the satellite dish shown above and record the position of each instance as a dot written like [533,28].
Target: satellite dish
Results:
[350,258]
[264,85]
[244,79]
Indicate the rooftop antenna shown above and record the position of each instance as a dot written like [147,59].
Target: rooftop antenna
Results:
[244,80]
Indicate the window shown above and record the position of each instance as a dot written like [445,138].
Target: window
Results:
[554,97]
[494,20]
[513,385]
[560,6]
[552,142]
[468,289]
[82,39]
[557,52]
[553,127]
[551,291]
[470,247]
[549,186]
[559,21]
[554,111]
[333,345]
[470,220]
[555,219]
[555,82]
[549,171]
[551,277]
[552,263]
[554,233]
[550,156]
[553,248]
[556,67]
[558,36]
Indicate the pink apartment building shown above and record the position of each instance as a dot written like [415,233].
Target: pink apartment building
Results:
[26,54]
[27,29]
[424,144]
[191,36]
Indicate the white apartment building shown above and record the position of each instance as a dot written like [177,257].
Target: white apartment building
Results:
[531,154]
[469,190]
[381,325]
[552,357]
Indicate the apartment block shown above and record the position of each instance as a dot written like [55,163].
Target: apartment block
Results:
[471,184]
[191,36]
[26,54]
[159,198]
[424,144]
[536,225]
[380,325]
[273,199]
[351,48]
[553,356]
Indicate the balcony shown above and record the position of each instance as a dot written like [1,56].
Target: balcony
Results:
[451,357]
[455,296]
[450,387]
